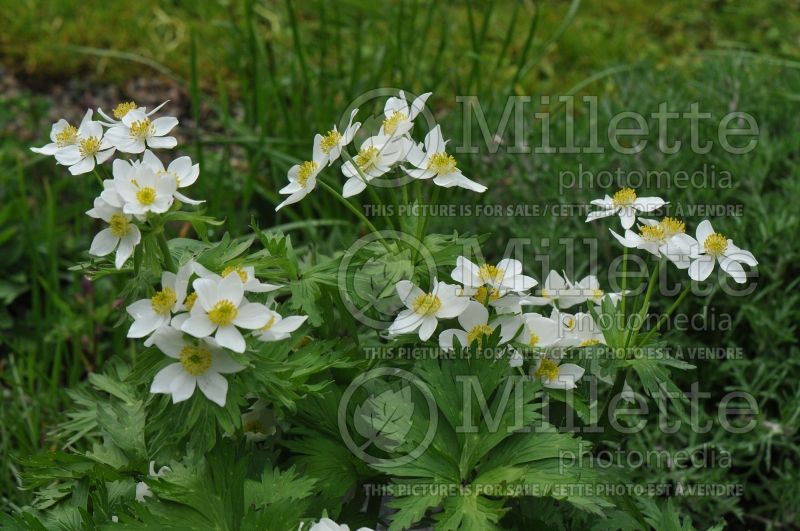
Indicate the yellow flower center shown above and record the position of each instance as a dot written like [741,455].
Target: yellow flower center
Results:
[235,269]
[191,298]
[652,233]
[672,226]
[142,129]
[569,322]
[427,304]
[490,273]
[195,360]
[119,225]
[589,342]
[305,171]
[477,334]
[88,147]
[163,301]
[122,109]
[269,324]
[716,244]
[483,295]
[545,293]
[390,124]
[624,197]
[547,370]
[223,313]
[442,163]
[254,426]
[534,340]
[146,196]
[330,141]
[597,293]
[67,136]
[367,158]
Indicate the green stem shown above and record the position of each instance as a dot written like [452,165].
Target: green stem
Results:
[634,331]
[624,284]
[354,210]
[164,246]
[97,176]
[664,317]
[616,389]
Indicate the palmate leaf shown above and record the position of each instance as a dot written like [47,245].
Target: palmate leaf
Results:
[385,419]
[278,501]
[470,512]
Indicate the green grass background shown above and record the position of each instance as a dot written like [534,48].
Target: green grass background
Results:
[259,78]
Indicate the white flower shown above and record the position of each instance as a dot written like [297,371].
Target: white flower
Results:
[326,524]
[666,237]
[124,108]
[330,144]
[181,170]
[712,247]
[555,376]
[516,359]
[474,321]
[376,157]
[553,288]
[62,134]
[279,328]
[200,364]
[504,277]
[143,191]
[136,131]
[423,310]
[259,423]
[121,234]
[584,332]
[150,315]
[539,332]
[142,492]
[161,471]
[434,161]
[89,147]
[399,115]
[221,307]
[247,274]
[302,178]
[567,323]
[626,204]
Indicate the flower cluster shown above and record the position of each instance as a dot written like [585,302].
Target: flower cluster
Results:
[390,148]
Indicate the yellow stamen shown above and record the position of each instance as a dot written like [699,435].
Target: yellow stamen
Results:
[191,298]
[442,163]
[477,334]
[490,273]
[367,158]
[235,269]
[427,304]
[119,225]
[589,342]
[716,244]
[672,226]
[483,295]
[534,340]
[390,124]
[547,370]
[163,301]
[652,233]
[624,197]
[142,129]
[122,109]
[305,171]
[223,313]
[146,196]
[269,324]
[597,294]
[88,147]
[330,141]
[195,360]
[67,136]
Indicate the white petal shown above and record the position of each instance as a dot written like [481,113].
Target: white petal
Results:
[164,378]
[428,327]
[701,267]
[198,324]
[252,315]
[230,337]
[103,243]
[214,386]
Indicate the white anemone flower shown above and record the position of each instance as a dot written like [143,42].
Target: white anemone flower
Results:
[62,134]
[433,161]
[89,148]
[331,143]
[200,363]
[474,321]
[376,157]
[553,287]
[247,274]
[504,277]
[626,204]
[557,376]
[136,131]
[279,328]
[124,108]
[153,314]
[326,524]
[121,235]
[221,308]
[302,178]
[539,332]
[585,333]
[181,169]
[712,247]
[143,191]
[142,492]
[666,237]
[423,310]
[399,115]
[260,422]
